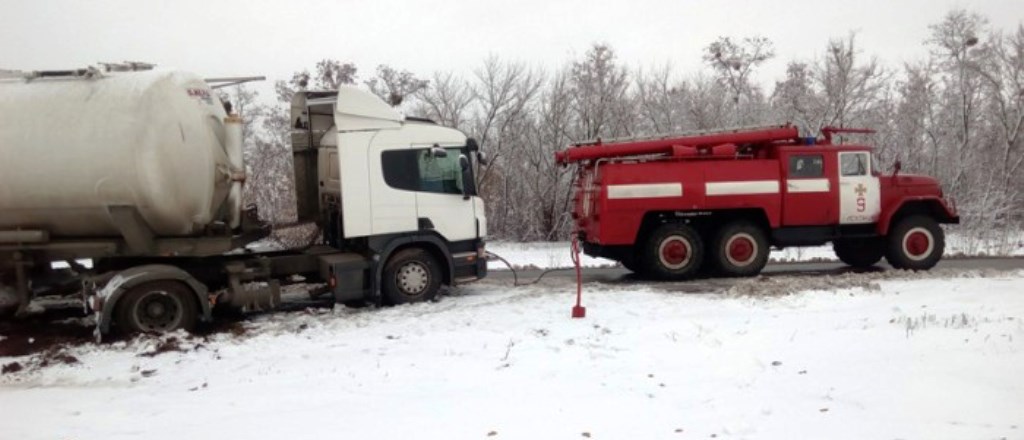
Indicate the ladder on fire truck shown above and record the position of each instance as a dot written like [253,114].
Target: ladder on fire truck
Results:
[702,143]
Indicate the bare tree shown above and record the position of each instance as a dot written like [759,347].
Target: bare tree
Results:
[709,103]
[447,101]
[1003,74]
[850,89]
[659,99]
[734,63]
[952,40]
[331,74]
[394,86]
[599,87]
[796,99]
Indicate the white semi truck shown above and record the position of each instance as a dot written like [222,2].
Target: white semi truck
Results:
[141,172]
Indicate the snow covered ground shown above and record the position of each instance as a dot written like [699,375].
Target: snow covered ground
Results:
[544,255]
[859,356]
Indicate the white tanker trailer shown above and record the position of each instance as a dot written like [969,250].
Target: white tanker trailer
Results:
[158,142]
[142,172]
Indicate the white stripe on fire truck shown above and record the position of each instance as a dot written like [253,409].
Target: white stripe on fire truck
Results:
[645,190]
[807,185]
[742,188]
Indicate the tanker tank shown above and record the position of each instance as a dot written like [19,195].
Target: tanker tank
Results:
[71,148]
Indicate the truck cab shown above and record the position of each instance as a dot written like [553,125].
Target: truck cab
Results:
[399,190]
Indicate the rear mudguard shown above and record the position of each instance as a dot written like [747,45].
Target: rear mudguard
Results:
[123,281]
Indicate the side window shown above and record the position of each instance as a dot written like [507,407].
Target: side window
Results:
[853,164]
[806,165]
[400,169]
[417,170]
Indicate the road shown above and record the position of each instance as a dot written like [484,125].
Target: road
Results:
[619,275]
[63,322]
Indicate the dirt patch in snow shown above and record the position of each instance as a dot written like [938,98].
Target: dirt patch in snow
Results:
[12,367]
[53,328]
[786,285]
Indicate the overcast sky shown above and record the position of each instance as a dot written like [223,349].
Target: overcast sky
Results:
[219,38]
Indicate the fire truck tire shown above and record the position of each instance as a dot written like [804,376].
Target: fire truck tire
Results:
[915,243]
[411,275]
[739,249]
[860,253]
[630,263]
[157,307]
[673,251]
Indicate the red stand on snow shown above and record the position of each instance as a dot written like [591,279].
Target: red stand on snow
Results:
[578,311]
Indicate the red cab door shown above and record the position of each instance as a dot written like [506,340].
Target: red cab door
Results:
[809,188]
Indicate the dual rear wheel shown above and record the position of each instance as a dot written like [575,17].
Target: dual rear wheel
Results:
[675,251]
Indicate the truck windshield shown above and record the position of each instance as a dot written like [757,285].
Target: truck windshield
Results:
[440,174]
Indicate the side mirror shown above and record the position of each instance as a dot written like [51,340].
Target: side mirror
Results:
[896,167]
[437,151]
[481,158]
[471,145]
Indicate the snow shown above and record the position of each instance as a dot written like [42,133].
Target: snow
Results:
[890,355]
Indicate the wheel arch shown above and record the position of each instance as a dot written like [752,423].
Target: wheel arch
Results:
[931,206]
[430,243]
[123,281]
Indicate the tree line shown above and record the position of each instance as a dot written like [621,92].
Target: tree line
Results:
[957,115]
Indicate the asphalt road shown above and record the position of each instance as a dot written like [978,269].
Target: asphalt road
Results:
[619,275]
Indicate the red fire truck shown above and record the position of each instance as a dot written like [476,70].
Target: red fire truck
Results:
[671,207]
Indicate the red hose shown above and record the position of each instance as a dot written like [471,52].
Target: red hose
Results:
[578,311]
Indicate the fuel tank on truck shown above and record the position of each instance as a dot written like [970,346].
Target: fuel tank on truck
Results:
[71,147]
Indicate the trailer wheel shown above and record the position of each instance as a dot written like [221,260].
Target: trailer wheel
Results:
[157,307]
[915,243]
[674,251]
[740,249]
[860,253]
[411,275]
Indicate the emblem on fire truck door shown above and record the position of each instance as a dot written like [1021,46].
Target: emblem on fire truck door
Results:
[862,202]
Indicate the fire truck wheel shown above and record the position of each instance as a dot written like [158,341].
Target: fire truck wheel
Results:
[411,275]
[915,243]
[673,251]
[739,249]
[630,263]
[157,307]
[859,253]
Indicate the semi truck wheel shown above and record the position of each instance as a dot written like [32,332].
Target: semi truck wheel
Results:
[157,307]
[674,251]
[915,243]
[859,253]
[411,275]
[740,249]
